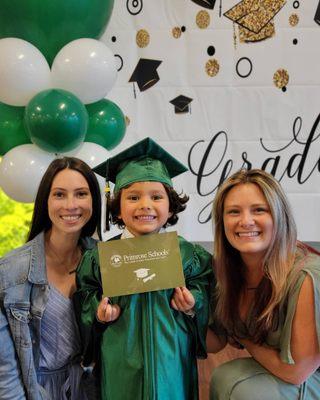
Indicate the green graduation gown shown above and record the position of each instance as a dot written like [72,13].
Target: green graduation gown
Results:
[150,352]
[245,378]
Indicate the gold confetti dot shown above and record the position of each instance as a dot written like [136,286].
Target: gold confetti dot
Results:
[293,19]
[127,120]
[176,32]
[281,78]
[212,67]
[142,38]
[203,19]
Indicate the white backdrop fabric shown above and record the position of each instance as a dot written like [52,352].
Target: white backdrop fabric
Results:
[238,117]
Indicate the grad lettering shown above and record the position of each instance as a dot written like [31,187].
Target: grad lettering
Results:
[214,167]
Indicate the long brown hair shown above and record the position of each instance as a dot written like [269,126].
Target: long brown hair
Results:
[40,218]
[278,260]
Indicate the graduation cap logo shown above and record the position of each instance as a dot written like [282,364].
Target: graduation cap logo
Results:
[254,18]
[181,104]
[145,73]
[205,3]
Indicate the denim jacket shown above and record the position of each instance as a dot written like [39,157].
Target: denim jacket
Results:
[24,292]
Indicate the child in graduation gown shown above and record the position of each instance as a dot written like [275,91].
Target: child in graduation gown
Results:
[148,349]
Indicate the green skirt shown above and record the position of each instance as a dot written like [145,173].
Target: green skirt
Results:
[246,379]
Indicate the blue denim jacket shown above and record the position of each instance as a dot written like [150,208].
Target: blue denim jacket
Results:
[24,294]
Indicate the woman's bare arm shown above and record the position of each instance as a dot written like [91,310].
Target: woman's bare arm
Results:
[215,342]
[304,343]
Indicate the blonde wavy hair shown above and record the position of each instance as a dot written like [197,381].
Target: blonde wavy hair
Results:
[278,260]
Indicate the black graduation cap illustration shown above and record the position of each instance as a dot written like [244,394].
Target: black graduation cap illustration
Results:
[317,15]
[254,17]
[145,73]
[205,3]
[181,104]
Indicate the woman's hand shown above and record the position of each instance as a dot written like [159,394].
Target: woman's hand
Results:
[182,300]
[107,312]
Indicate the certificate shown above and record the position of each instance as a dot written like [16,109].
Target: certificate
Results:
[141,264]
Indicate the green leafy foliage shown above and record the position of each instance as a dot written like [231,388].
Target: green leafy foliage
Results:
[14,223]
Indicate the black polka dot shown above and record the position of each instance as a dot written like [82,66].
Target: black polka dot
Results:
[296,4]
[114,39]
[183,29]
[295,41]
[211,50]
[284,89]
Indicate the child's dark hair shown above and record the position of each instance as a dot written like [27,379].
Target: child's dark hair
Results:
[177,203]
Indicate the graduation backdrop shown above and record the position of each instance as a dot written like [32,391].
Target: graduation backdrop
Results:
[249,76]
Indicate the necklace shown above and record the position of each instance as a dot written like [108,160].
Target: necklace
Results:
[71,266]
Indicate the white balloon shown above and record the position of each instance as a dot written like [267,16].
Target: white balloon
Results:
[21,170]
[85,67]
[93,154]
[24,71]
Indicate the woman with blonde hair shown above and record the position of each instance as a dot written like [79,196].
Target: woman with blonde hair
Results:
[267,297]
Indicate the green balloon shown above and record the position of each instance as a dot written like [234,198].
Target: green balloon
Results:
[51,24]
[107,125]
[12,132]
[56,120]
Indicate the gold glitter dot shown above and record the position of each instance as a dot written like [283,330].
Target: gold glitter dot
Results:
[176,32]
[203,19]
[127,120]
[281,78]
[293,19]
[212,67]
[142,38]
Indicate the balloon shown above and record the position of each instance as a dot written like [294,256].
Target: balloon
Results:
[93,154]
[21,170]
[107,125]
[85,67]
[56,120]
[49,25]
[23,72]
[12,132]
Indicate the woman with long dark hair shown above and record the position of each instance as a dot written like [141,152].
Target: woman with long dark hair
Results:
[40,342]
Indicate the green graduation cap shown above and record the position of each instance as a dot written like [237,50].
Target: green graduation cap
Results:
[144,161]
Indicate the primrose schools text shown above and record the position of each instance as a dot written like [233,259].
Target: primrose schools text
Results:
[149,256]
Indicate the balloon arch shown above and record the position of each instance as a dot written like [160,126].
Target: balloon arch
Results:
[54,77]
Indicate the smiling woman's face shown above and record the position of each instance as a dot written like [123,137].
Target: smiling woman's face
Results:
[248,222]
[69,202]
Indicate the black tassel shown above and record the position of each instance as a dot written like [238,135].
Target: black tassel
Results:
[107,219]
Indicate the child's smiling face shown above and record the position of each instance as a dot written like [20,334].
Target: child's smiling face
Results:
[144,207]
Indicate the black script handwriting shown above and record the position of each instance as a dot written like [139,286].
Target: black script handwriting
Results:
[213,161]
[303,156]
